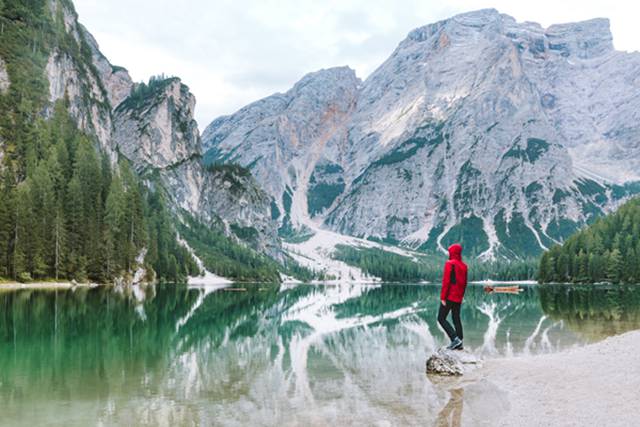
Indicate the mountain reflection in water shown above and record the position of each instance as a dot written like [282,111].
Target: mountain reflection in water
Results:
[315,355]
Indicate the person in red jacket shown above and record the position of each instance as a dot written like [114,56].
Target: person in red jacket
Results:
[454,283]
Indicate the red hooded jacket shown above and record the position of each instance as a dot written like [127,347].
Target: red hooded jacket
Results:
[454,291]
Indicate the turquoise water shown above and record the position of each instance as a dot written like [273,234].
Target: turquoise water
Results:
[267,354]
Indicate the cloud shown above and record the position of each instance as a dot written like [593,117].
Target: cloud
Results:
[231,53]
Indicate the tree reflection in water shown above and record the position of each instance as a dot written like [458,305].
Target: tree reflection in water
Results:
[593,311]
[272,354]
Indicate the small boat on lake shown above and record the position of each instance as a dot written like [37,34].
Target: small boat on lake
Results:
[502,289]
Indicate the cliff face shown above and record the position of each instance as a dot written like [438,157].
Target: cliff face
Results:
[155,129]
[152,125]
[505,135]
[284,137]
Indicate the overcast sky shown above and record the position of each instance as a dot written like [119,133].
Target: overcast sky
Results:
[232,52]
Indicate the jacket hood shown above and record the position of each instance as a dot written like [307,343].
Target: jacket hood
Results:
[455,251]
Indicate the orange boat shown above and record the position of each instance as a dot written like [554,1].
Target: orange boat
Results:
[502,289]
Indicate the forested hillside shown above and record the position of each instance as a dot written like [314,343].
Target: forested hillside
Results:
[70,208]
[65,213]
[392,267]
[608,250]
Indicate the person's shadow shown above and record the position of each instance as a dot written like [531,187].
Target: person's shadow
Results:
[451,414]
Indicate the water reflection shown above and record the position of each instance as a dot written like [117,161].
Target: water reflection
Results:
[292,355]
[451,414]
[593,311]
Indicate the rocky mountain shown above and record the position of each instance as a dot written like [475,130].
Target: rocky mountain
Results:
[505,135]
[155,129]
[152,125]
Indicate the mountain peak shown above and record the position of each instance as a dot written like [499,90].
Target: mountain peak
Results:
[585,38]
[475,19]
[328,76]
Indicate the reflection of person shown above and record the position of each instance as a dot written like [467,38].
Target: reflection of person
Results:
[454,282]
[453,410]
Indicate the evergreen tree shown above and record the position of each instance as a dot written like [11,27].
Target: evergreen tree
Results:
[74,214]
[7,221]
[614,266]
[114,224]
[606,250]
[22,233]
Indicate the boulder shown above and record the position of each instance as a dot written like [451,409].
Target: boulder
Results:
[451,362]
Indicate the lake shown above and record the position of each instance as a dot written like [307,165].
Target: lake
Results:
[268,354]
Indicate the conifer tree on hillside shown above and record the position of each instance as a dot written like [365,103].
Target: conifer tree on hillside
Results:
[607,250]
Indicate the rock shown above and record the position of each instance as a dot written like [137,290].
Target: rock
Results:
[451,362]
[283,137]
[158,130]
[155,129]
[116,80]
[4,78]
[159,134]
[542,122]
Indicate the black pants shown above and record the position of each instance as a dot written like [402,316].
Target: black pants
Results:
[454,308]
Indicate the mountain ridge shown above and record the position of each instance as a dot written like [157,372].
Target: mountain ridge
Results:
[476,128]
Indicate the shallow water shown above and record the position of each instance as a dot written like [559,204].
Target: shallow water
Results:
[268,354]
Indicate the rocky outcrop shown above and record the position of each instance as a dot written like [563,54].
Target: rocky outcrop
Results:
[451,362]
[245,209]
[4,78]
[505,135]
[116,80]
[285,136]
[84,77]
[88,103]
[154,127]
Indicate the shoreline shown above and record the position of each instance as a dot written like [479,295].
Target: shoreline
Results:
[48,285]
[590,385]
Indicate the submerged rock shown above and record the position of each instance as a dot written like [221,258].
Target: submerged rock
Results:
[451,362]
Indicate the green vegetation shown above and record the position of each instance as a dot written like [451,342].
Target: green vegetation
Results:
[468,188]
[325,185]
[171,261]
[321,195]
[524,269]
[470,233]
[391,267]
[286,229]
[143,92]
[232,173]
[224,257]
[515,236]
[25,41]
[597,311]
[74,217]
[562,228]
[298,236]
[534,150]
[608,250]
[229,171]
[410,147]
[388,266]
[68,210]
[248,234]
